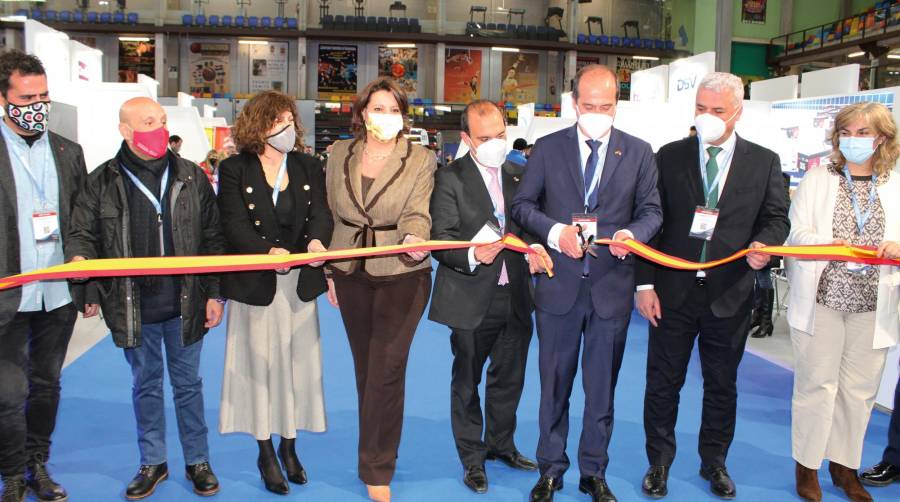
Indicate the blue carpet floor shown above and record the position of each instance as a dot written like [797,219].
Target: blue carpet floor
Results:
[95,452]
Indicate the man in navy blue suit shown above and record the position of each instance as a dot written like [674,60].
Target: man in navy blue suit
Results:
[589,180]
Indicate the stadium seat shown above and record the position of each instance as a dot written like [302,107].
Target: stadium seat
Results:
[278,22]
[132,18]
[119,17]
[106,17]
[382,23]
[582,38]
[359,23]
[531,32]
[213,20]
[252,22]
[603,40]
[187,20]
[200,19]
[542,33]
[22,12]
[501,26]
[491,26]
[670,45]
[403,25]
[51,15]
[265,22]
[521,31]
[226,20]
[339,22]
[78,16]
[328,22]
[240,21]
[92,17]
[659,44]
[615,41]
[65,16]
[291,23]
[36,14]
[648,43]
[371,23]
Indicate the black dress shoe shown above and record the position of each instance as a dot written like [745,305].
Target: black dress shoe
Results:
[596,488]
[145,481]
[476,479]
[720,483]
[544,489]
[202,477]
[514,459]
[14,489]
[656,481]
[38,480]
[881,474]
[270,473]
[295,472]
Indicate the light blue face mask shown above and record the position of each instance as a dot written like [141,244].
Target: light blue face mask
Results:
[856,149]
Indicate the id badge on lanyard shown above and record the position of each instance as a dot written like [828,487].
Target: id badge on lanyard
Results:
[586,223]
[704,223]
[45,225]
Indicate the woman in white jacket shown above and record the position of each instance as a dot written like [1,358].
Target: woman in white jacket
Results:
[843,316]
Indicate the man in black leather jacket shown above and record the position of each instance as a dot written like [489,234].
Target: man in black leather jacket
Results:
[147,201]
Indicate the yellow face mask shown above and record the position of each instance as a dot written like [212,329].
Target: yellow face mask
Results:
[384,126]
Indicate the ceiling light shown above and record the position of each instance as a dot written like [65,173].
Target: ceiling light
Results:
[855,54]
[14,19]
[646,58]
[134,39]
[253,42]
[893,56]
[402,46]
[504,49]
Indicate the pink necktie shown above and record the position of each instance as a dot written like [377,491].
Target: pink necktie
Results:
[497,197]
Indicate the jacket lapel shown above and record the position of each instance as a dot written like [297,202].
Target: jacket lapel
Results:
[737,171]
[7,180]
[391,166]
[692,169]
[614,153]
[510,183]
[572,160]
[354,171]
[472,180]
[298,185]
[60,160]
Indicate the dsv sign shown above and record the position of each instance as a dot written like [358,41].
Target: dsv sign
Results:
[685,84]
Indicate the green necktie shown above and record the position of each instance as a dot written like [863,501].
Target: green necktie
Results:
[712,170]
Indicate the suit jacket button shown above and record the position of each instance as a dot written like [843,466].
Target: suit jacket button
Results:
[256,223]
[249,189]
[251,207]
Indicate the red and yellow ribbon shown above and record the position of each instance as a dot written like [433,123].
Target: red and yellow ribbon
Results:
[175,265]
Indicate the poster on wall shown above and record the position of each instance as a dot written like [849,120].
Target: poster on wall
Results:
[136,56]
[753,11]
[401,64]
[268,66]
[462,75]
[519,78]
[625,66]
[583,61]
[209,65]
[803,128]
[337,72]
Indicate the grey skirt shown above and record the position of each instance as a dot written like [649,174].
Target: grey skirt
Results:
[273,366]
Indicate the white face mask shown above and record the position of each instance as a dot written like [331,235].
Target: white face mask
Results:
[491,153]
[711,128]
[594,125]
[284,140]
[384,126]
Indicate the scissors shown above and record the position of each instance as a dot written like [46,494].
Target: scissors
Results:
[587,244]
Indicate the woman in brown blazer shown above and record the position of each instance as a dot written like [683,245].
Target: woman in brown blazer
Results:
[379,187]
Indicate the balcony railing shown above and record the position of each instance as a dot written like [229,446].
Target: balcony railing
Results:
[885,18]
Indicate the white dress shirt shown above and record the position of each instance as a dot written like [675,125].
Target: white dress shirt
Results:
[585,151]
[486,177]
[723,160]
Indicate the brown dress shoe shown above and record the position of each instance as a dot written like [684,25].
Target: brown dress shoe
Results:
[847,479]
[808,484]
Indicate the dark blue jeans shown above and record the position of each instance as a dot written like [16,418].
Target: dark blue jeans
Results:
[147,393]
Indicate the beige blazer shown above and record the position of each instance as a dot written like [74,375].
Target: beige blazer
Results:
[396,204]
[812,212]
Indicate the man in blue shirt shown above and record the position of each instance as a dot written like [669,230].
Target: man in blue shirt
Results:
[40,173]
[518,154]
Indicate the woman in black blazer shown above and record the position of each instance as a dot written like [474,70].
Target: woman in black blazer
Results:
[272,200]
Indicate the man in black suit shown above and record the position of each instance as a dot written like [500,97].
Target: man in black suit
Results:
[701,225]
[40,175]
[483,294]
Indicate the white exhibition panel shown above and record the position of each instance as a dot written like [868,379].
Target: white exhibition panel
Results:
[685,75]
[525,114]
[86,63]
[567,106]
[830,81]
[52,48]
[185,121]
[775,89]
[650,85]
[755,123]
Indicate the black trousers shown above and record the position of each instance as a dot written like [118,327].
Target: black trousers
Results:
[32,350]
[504,336]
[721,344]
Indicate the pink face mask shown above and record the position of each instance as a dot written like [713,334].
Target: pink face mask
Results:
[152,143]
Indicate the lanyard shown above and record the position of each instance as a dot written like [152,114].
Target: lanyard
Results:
[708,187]
[861,218]
[280,176]
[501,217]
[154,201]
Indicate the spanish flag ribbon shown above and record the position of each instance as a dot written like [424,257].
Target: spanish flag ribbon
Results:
[175,265]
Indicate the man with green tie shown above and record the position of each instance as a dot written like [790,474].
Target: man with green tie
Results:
[720,193]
